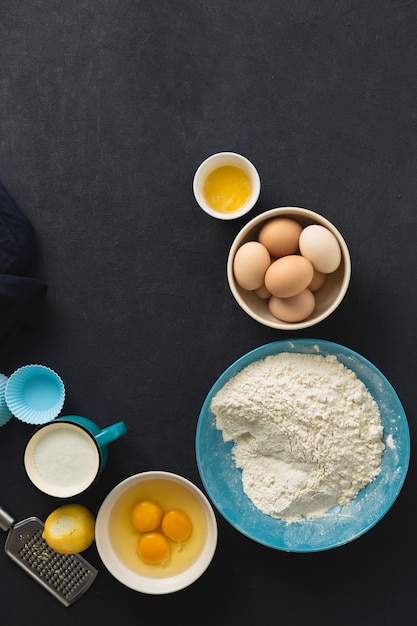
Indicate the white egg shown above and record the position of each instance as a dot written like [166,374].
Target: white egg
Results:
[321,248]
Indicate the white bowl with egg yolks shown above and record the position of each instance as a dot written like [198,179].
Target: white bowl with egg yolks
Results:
[326,299]
[117,539]
[226,185]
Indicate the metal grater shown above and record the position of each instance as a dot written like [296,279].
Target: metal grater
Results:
[65,576]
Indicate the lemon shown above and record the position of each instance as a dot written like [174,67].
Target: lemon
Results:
[69,529]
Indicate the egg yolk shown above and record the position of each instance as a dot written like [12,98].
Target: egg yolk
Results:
[146,515]
[153,548]
[227,188]
[176,525]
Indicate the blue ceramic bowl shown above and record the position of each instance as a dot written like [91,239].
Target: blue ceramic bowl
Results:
[223,483]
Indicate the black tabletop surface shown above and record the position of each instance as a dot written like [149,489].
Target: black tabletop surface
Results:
[107,109]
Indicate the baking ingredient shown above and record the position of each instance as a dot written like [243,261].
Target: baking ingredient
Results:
[262,292]
[66,459]
[146,515]
[280,236]
[307,433]
[294,309]
[153,548]
[288,276]
[250,263]
[69,529]
[176,525]
[321,247]
[318,281]
[300,259]
[227,188]
[169,495]
[157,528]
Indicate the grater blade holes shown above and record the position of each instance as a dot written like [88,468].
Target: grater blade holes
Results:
[62,572]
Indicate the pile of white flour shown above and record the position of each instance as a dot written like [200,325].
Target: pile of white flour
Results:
[307,433]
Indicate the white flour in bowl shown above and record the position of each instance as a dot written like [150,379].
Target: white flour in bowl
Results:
[307,433]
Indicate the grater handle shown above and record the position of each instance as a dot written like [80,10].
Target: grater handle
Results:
[6,520]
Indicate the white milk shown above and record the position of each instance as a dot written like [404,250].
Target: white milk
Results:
[62,460]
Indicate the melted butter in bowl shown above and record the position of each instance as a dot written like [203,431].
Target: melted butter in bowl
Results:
[227,188]
[226,185]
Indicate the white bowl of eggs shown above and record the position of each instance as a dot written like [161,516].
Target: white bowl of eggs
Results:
[289,268]
[156,532]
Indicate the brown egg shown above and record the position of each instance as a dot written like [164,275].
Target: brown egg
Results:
[293,309]
[318,280]
[288,276]
[250,264]
[280,236]
[262,292]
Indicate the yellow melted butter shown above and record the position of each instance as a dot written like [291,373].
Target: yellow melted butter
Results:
[227,188]
[124,537]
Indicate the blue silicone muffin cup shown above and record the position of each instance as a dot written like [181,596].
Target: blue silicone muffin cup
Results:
[5,413]
[35,394]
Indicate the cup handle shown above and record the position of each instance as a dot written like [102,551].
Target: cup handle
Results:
[106,435]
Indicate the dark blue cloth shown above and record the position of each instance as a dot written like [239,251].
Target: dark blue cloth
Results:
[21,296]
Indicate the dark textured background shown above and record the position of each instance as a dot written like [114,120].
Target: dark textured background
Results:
[106,110]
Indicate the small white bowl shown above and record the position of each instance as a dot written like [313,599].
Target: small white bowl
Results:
[219,160]
[328,297]
[116,539]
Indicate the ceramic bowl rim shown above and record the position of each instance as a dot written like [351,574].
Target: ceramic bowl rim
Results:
[137,582]
[208,165]
[219,477]
[312,217]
